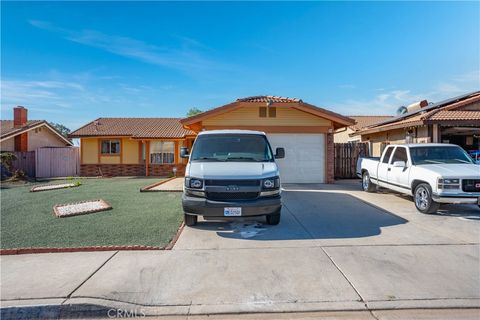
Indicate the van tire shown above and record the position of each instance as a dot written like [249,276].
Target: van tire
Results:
[273,219]
[190,220]
[367,184]
[422,197]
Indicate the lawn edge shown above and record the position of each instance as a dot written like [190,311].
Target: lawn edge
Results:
[169,246]
[153,185]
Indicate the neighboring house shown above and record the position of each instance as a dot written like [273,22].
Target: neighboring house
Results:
[150,146]
[455,120]
[344,135]
[132,146]
[21,134]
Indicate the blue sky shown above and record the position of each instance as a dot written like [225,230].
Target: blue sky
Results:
[73,62]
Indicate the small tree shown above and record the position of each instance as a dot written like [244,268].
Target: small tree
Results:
[193,111]
[61,128]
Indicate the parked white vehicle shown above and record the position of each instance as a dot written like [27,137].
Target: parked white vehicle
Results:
[432,173]
[232,173]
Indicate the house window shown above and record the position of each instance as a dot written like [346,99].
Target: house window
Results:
[162,152]
[272,112]
[111,147]
[262,112]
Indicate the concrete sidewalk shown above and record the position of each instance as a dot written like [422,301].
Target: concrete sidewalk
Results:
[331,252]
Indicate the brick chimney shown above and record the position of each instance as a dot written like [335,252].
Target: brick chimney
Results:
[19,120]
[19,116]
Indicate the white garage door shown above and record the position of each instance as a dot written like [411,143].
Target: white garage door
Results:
[304,160]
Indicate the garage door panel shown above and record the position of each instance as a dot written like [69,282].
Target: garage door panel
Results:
[304,160]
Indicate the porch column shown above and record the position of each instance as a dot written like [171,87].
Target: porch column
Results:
[435,133]
[176,155]
[147,158]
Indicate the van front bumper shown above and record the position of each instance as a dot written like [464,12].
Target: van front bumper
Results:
[250,208]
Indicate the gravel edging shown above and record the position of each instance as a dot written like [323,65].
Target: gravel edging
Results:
[49,187]
[57,208]
[149,187]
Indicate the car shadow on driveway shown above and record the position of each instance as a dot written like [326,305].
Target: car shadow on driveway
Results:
[311,215]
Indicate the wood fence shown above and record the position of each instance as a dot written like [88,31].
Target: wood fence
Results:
[346,156]
[57,162]
[25,162]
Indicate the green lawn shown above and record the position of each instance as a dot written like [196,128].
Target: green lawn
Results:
[147,218]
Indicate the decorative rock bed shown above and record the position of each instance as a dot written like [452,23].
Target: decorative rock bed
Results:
[47,187]
[78,208]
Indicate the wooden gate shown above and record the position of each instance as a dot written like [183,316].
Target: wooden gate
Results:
[346,156]
[57,162]
[25,162]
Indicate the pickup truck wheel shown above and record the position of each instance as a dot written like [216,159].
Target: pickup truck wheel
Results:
[190,220]
[423,199]
[367,184]
[273,219]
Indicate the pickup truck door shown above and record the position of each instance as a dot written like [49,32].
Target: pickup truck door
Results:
[399,176]
[383,166]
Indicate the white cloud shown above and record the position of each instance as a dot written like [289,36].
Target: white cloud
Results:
[187,56]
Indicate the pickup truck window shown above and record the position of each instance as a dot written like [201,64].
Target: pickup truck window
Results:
[232,147]
[438,154]
[400,155]
[387,154]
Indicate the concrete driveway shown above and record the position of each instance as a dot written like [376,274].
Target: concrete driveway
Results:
[336,248]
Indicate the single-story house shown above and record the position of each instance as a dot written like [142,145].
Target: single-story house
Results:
[455,120]
[150,146]
[344,135]
[21,134]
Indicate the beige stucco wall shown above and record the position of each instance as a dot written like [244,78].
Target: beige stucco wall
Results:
[396,136]
[344,136]
[248,116]
[43,137]
[130,151]
[8,145]
[89,150]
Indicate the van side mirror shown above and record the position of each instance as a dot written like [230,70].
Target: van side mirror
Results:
[279,153]
[399,164]
[184,152]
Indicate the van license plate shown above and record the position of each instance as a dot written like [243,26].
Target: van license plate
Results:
[232,212]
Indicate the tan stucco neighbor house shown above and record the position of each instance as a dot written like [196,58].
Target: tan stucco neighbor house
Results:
[455,120]
[21,134]
[345,135]
[151,146]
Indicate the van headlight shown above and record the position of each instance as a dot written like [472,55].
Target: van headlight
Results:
[193,183]
[448,183]
[271,183]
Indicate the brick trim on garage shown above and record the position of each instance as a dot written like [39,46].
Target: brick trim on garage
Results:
[330,158]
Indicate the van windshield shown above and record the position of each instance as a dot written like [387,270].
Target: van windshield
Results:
[231,147]
[439,154]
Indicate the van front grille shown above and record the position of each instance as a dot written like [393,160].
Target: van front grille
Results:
[231,196]
[240,183]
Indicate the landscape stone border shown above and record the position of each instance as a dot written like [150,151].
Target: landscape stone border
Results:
[169,246]
[153,185]
[48,187]
[105,206]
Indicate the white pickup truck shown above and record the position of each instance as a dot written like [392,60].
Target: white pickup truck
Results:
[432,173]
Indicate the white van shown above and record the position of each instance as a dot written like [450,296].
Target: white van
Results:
[232,173]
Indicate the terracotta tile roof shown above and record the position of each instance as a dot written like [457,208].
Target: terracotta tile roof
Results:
[275,99]
[133,127]
[365,121]
[429,114]
[455,115]
[6,127]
